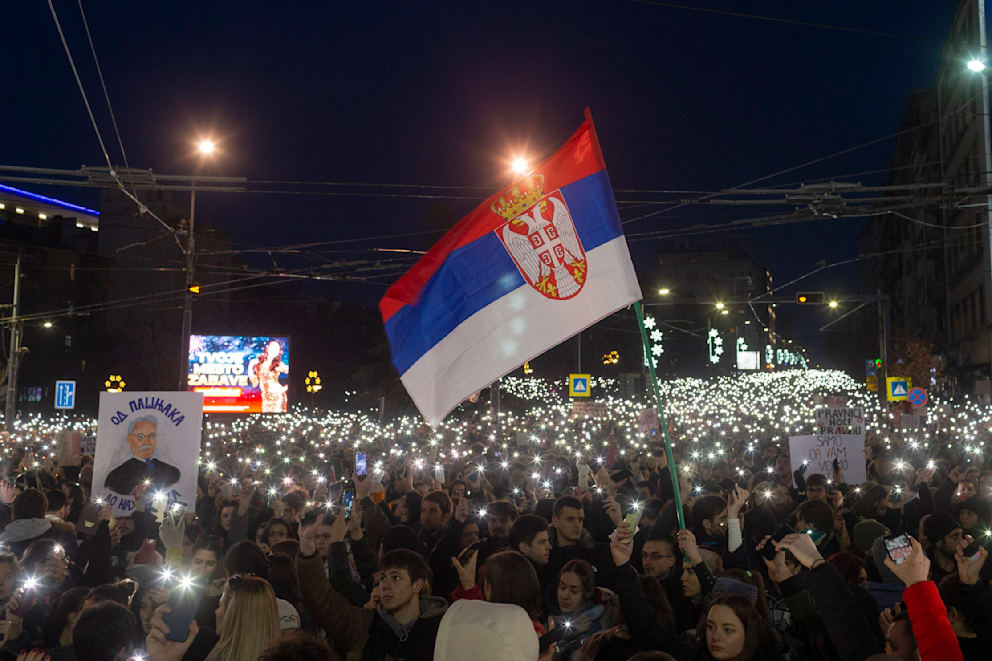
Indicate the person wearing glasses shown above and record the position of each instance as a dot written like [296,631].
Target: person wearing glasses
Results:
[142,436]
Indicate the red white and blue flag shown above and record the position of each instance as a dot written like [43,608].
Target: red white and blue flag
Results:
[530,267]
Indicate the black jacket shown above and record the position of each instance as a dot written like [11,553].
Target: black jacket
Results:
[123,479]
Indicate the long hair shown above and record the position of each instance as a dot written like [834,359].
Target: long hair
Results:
[251,619]
[656,596]
[758,636]
[512,580]
[585,572]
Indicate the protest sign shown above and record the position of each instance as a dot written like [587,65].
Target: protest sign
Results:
[840,421]
[148,438]
[592,409]
[909,421]
[69,448]
[648,422]
[820,450]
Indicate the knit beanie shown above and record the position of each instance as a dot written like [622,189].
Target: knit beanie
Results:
[402,537]
[865,534]
[938,526]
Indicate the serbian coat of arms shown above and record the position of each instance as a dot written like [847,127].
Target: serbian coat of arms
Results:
[540,236]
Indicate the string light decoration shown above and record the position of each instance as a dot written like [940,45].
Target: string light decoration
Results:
[114,383]
[656,336]
[527,368]
[715,344]
[312,382]
[611,358]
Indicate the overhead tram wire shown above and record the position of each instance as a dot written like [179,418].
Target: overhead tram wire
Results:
[96,129]
[791,21]
[103,84]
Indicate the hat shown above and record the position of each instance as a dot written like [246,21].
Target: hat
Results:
[973,504]
[289,617]
[484,631]
[938,526]
[401,537]
[739,588]
[865,533]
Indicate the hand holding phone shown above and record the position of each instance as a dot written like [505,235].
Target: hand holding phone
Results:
[183,604]
[361,469]
[898,547]
[769,549]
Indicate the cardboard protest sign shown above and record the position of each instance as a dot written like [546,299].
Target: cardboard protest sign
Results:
[845,420]
[648,422]
[147,437]
[820,450]
[592,409]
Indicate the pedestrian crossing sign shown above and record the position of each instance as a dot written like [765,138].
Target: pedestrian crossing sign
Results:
[579,385]
[897,388]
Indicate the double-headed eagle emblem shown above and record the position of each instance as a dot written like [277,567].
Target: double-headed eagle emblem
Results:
[547,252]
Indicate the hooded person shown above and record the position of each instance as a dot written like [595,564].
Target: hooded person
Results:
[485,631]
[29,524]
[888,591]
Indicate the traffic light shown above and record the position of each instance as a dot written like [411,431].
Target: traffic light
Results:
[811,297]
[194,288]
[878,363]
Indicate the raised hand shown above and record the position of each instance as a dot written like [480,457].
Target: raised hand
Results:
[620,549]
[363,486]
[612,508]
[466,572]
[355,524]
[308,541]
[159,647]
[339,528]
[737,500]
[969,567]
[687,544]
[914,569]
[802,546]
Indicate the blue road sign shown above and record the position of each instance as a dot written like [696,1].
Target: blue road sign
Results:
[918,397]
[65,394]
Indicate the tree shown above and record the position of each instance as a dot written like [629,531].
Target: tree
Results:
[915,358]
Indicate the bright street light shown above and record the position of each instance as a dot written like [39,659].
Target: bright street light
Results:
[206,147]
[720,306]
[520,165]
[664,291]
[48,324]
[976,65]
[832,304]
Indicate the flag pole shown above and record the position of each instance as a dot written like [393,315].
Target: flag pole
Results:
[638,308]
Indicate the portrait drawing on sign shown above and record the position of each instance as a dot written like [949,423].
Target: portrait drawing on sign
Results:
[142,439]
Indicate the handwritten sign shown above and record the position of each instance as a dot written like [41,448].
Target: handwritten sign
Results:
[150,438]
[843,420]
[819,451]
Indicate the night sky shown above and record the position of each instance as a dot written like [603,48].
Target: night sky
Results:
[442,94]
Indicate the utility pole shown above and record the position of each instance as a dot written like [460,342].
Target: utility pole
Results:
[579,368]
[188,301]
[10,411]
[883,346]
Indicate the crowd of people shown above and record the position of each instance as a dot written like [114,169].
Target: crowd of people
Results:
[533,534]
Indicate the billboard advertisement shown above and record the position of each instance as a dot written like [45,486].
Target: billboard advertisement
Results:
[238,374]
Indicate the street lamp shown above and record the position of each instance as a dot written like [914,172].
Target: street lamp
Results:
[975,65]
[664,291]
[832,304]
[720,306]
[48,324]
[519,165]
[206,148]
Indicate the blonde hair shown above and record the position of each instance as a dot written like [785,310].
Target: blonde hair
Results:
[251,619]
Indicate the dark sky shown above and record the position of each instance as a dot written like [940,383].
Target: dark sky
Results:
[442,93]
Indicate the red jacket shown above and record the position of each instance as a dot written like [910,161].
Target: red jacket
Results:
[934,636]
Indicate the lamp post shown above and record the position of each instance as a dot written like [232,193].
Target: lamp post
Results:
[205,148]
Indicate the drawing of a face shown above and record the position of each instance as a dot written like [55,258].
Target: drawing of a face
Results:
[142,440]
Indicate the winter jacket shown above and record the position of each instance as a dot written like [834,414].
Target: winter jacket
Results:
[596,554]
[366,634]
[935,638]
[846,625]
[482,631]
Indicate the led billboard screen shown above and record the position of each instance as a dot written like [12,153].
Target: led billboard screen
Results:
[239,374]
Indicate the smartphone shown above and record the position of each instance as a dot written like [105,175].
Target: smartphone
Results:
[28,599]
[769,550]
[971,550]
[184,602]
[898,547]
[556,635]
[474,546]
[632,520]
[347,500]
[360,468]
[816,535]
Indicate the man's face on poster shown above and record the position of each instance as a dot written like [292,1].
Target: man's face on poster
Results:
[142,440]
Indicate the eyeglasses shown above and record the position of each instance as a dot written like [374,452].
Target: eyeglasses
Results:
[141,437]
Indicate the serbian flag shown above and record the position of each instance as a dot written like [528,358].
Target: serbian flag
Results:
[530,267]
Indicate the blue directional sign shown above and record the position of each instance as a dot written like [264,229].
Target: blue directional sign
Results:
[65,394]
